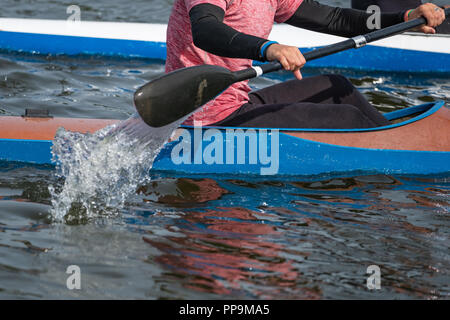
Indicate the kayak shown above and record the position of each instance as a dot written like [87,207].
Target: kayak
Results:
[417,141]
[408,52]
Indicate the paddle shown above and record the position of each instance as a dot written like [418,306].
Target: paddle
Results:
[179,93]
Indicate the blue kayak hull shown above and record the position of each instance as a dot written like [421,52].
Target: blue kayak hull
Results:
[371,58]
[297,157]
[277,151]
[302,157]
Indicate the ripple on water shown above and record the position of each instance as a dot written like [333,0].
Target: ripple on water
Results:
[206,237]
[209,237]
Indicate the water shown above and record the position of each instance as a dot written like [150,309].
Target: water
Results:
[201,237]
[99,171]
[156,11]
[217,237]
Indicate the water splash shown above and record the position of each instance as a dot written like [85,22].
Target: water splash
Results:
[100,171]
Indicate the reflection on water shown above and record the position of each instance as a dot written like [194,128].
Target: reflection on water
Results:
[329,231]
[182,192]
[217,237]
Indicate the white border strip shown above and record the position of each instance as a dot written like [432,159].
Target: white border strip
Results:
[157,33]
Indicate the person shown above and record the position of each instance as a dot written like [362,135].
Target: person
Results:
[232,33]
[398,5]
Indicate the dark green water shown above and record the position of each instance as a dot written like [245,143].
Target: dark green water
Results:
[201,237]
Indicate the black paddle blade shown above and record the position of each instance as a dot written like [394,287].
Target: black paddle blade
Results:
[179,93]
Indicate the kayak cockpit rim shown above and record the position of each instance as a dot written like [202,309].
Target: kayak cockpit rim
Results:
[426,110]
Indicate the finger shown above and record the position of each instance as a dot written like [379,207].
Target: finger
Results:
[297,64]
[429,30]
[293,63]
[426,11]
[298,74]
[290,59]
[429,16]
[433,20]
[300,63]
[302,60]
[285,63]
[441,16]
[298,60]
[438,16]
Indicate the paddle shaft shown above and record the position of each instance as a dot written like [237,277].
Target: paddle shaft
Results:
[355,42]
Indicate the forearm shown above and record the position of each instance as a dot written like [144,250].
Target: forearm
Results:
[209,33]
[314,16]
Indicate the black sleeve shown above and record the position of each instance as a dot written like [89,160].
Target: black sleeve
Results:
[209,33]
[314,16]
[363,4]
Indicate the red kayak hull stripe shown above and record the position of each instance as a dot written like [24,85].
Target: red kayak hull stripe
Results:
[45,128]
[429,134]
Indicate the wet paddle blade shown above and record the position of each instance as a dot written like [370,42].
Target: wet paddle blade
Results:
[179,93]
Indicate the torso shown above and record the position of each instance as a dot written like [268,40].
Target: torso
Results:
[254,17]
